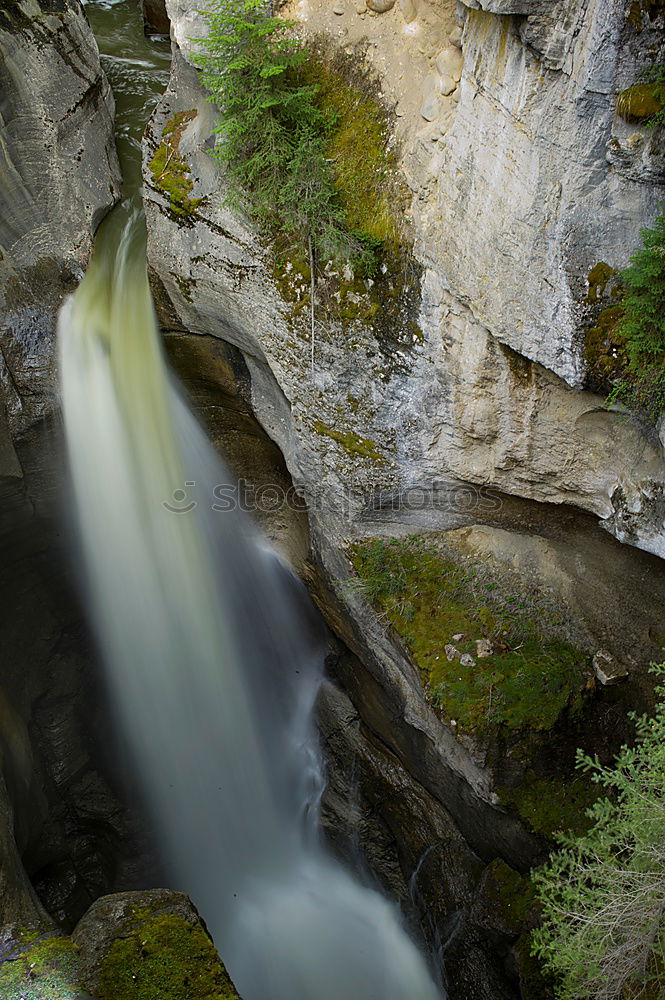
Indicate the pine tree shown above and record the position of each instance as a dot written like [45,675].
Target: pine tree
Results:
[272,133]
[603,894]
[643,326]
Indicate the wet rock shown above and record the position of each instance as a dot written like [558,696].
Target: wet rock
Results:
[155,17]
[607,668]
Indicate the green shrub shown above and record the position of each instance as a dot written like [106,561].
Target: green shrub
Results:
[273,133]
[603,893]
[642,327]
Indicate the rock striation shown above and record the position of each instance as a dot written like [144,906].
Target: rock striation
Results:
[59,174]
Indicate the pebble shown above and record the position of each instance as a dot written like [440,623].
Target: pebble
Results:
[339,9]
[380,6]
[467,660]
[447,86]
[409,11]
[451,652]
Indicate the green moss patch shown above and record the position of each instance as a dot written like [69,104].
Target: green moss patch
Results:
[364,166]
[170,171]
[529,679]
[43,969]
[605,349]
[351,442]
[552,805]
[642,102]
[164,958]
[374,198]
[600,276]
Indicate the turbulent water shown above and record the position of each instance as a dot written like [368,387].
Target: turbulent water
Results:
[138,69]
[214,660]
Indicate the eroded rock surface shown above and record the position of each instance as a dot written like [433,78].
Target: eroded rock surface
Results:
[58,175]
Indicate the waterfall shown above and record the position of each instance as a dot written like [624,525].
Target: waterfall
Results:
[214,658]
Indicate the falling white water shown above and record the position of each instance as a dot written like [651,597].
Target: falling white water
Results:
[214,660]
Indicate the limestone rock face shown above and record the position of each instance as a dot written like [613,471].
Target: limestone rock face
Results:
[538,179]
[58,175]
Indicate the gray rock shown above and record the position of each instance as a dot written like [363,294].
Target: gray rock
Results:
[58,175]
[467,660]
[607,668]
[484,648]
[452,653]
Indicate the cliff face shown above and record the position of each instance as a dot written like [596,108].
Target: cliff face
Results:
[58,175]
[523,179]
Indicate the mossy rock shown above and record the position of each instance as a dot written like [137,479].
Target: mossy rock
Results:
[164,958]
[605,349]
[600,276]
[385,297]
[535,982]
[641,102]
[351,442]
[552,805]
[639,9]
[170,171]
[530,678]
[149,946]
[41,967]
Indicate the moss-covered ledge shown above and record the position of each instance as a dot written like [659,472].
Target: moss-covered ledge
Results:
[149,946]
[130,946]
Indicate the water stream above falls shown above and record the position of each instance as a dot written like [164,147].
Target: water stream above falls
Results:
[214,654]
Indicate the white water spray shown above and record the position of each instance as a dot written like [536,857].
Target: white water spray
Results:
[214,663]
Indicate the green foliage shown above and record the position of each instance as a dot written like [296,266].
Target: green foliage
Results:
[642,326]
[625,345]
[603,893]
[529,679]
[552,805]
[273,132]
[164,958]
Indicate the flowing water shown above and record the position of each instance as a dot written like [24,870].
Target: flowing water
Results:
[138,70]
[214,658]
